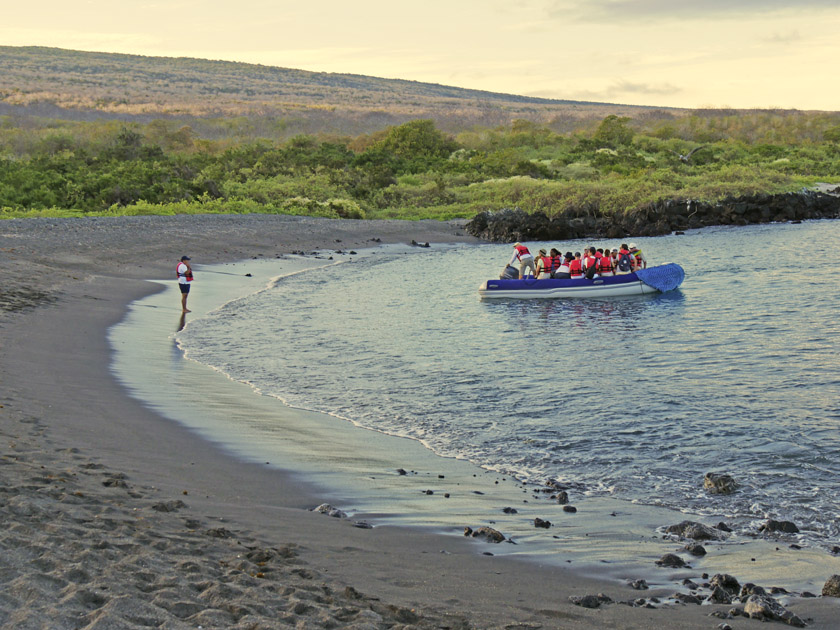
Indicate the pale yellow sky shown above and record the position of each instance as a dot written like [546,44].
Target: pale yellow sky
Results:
[684,53]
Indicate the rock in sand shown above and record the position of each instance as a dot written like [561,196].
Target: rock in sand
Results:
[764,607]
[831,588]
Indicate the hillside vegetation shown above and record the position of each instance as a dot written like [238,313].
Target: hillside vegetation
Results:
[434,167]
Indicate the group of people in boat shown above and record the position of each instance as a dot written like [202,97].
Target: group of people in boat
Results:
[593,262]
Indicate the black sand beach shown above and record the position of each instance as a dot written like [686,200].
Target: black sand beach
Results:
[114,517]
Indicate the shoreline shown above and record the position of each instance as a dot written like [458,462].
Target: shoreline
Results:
[353,467]
[62,410]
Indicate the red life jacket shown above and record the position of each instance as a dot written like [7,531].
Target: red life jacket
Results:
[556,261]
[576,268]
[187,274]
[521,250]
[546,263]
[605,264]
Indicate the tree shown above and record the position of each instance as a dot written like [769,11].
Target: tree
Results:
[614,132]
[418,139]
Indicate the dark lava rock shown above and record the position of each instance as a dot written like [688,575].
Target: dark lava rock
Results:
[751,589]
[726,582]
[562,497]
[719,596]
[401,471]
[723,527]
[639,585]
[510,510]
[763,607]
[695,549]
[786,527]
[831,588]
[695,531]
[687,599]
[571,509]
[719,483]
[654,219]
[538,522]
[671,560]
[487,533]
[590,601]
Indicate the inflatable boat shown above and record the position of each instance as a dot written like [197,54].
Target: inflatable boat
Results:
[657,279]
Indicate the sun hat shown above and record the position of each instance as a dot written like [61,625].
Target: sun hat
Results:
[633,246]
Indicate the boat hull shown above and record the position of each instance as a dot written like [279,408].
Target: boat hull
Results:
[607,286]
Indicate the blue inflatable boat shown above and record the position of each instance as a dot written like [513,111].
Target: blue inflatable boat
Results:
[657,279]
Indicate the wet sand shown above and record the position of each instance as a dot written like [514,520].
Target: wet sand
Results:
[115,516]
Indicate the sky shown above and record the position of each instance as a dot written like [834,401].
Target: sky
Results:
[677,53]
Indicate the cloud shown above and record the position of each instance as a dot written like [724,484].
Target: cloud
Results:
[669,10]
[791,37]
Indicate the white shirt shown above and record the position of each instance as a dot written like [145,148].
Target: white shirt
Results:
[516,257]
[181,270]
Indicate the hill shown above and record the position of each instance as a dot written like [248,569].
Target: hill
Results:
[76,85]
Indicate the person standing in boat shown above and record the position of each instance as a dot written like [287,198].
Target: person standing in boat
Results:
[638,257]
[185,275]
[525,258]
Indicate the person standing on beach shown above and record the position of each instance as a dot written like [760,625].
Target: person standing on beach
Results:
[185,276]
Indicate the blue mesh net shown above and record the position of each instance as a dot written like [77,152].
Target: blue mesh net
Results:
[664,277]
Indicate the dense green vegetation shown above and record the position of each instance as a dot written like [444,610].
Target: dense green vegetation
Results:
[412,170]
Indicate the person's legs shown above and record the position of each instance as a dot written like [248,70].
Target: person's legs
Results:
[185,291]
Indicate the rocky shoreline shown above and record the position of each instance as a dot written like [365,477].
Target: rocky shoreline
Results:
[656,219]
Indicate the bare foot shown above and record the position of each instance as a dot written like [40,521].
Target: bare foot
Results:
[186,310]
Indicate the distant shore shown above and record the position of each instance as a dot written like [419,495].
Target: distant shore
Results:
[115,515]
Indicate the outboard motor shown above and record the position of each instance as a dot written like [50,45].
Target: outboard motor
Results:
[510,273]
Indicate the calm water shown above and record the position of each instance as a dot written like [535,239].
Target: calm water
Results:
[634,397]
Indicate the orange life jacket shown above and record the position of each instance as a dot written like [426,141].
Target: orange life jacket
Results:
[521,250]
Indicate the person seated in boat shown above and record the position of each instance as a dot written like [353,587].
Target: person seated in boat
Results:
[525,258]
[576,266]
[562,272]
[556,259]
[543,265]
[605,266]
[624,264]
[590,263]
[589,259]
[638,258]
